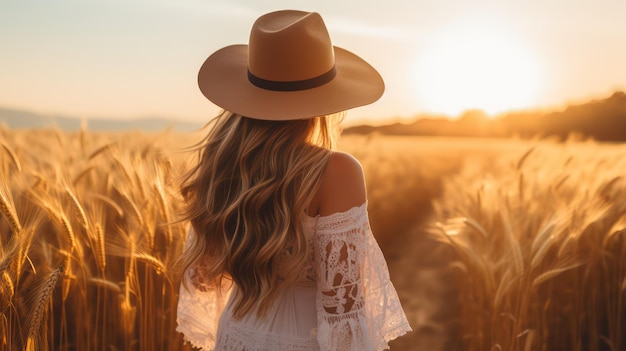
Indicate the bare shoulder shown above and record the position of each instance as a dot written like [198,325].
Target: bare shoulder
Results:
[343,184]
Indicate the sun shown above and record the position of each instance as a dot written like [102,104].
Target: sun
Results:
[470,67]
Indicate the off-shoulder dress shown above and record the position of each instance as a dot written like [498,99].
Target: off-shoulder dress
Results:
[342,301]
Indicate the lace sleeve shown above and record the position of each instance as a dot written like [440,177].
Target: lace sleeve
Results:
[357,306]
[199,308]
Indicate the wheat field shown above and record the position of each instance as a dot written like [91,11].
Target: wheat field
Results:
[528,238]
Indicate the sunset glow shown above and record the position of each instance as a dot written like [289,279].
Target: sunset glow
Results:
[474,68]
[139,58]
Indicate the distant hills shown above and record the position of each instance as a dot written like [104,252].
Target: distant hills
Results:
[17,119]
[602,120]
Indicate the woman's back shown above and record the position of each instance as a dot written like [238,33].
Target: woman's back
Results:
[327,307]
[280,255]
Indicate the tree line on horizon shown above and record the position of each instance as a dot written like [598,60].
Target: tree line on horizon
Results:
[601,120]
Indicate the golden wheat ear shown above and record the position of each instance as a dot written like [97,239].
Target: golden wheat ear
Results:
[39,308]
[12,156]
[7,208]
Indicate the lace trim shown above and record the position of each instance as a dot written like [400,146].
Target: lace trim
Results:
[338,218]
[357,306]
[198,312]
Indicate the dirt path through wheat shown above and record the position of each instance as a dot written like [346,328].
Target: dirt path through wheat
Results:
[419,269]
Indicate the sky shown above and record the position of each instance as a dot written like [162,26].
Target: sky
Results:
[139,58]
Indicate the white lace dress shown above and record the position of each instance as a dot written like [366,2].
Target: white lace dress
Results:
[343,300]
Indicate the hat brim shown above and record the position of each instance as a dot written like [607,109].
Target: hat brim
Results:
[223,79]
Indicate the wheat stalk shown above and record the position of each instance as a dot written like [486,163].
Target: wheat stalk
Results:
[13,157]
[541,252]
[105,284]
[26,237]
[135,210]
[140,187]
[82,174]
[522,159]
[41,302]
[126,307]
[102,259]
[122,167]
[155,262]
[7,285]
[541,236]
[528,343]
[553,273]
[505,285]
[516,252]
[7,257]
[101,150]
[78,208]
[477,227]
[163,207]
[109,202]
[8,211]
[67,229]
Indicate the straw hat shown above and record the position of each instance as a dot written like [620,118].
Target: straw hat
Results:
[289,70]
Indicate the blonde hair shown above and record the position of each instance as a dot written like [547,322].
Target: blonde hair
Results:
[246,198]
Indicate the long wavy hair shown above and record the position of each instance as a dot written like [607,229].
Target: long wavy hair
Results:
[246,199]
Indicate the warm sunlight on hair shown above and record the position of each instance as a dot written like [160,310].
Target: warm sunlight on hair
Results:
[470,67]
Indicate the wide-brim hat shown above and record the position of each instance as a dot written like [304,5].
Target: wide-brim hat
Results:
[289,70]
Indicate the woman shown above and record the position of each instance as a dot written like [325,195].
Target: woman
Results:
[280,255]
